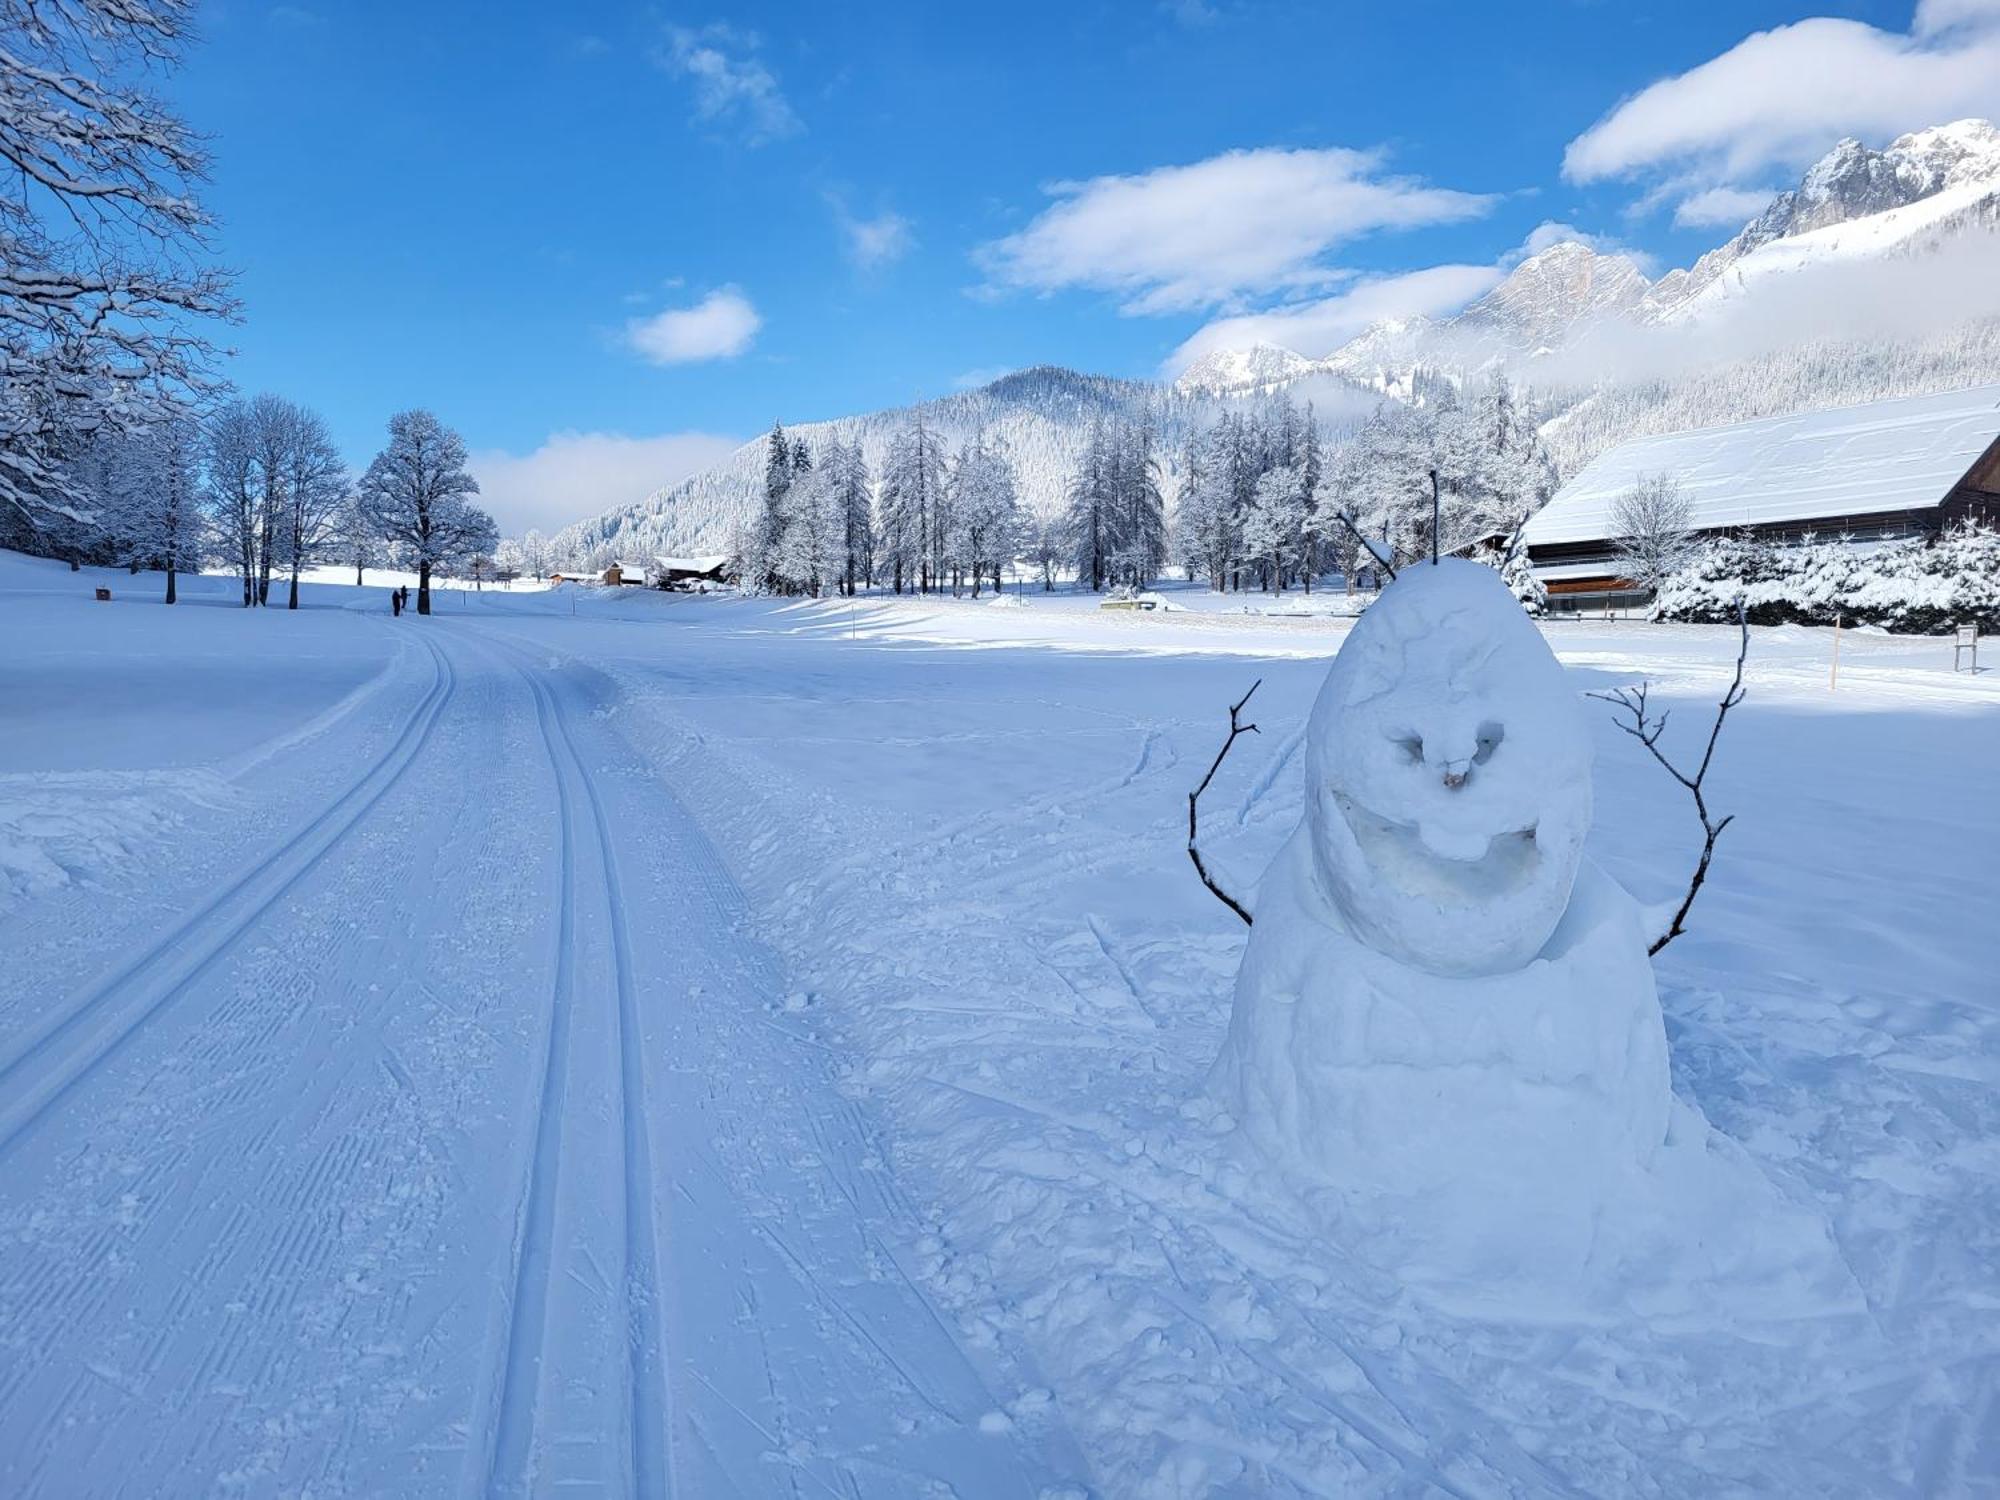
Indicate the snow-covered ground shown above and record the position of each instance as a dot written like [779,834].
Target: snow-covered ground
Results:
[600,1040]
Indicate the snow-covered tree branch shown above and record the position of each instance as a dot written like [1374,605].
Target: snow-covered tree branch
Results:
[105,287]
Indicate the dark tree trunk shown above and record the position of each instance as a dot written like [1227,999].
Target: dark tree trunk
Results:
[423,588]
[171,595]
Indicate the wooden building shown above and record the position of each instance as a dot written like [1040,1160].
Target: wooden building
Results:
[1880,472]
[689,572]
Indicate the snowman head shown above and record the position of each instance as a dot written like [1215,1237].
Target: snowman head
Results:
[1449,770]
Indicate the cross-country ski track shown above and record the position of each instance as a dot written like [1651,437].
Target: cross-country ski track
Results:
[460,1143]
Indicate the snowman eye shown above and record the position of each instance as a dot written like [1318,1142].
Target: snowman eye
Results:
[1490,735]
[1413,746]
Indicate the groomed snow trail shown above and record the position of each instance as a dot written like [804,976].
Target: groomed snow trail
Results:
[459,1145]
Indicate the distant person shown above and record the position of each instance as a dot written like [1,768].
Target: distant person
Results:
[396,602]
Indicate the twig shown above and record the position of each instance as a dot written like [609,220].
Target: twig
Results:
[1236,727]
[1647,732]
[1380,561]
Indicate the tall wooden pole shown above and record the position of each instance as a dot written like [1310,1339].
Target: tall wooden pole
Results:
[1434,517]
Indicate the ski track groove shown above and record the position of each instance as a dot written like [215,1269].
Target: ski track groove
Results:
[72,1072]
[649,1417]
[651,1422]
[508,1445]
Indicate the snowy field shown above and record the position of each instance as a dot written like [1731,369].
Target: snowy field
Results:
[594,1041]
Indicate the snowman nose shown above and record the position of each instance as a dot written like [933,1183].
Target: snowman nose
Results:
[1453,780]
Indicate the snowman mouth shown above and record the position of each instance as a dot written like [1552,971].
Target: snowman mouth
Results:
[1468,867]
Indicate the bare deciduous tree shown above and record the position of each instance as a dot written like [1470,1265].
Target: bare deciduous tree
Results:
[1653,527]
[416,495]
[102,291]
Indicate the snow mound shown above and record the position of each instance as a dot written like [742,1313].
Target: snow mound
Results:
[1447,1014]
[63,828]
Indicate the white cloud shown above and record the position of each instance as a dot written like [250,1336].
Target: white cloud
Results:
[1937,16]
[731,86]
[872,243]
[1241,224]
[1317,328]
[575,475]
[1720,205]
[1782,97]
[1552,232]
[720,326]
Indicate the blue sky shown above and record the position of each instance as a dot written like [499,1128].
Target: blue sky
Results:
[605,240]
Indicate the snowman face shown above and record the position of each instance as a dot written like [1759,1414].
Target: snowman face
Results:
[1450,772]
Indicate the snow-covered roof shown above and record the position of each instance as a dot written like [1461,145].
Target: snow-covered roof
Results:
[1889,455]
[690,564]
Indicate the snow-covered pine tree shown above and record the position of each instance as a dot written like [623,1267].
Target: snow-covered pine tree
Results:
[1204,529]
[1140,544]
[1312,474]
[1274,533]
[759,565]
[1522,582]
[852,488]
[913,481]
[985,513]
[812,544]
[1088,516]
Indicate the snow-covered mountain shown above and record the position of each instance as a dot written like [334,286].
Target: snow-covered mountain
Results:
[1259,369]
[1925,192]
[1549,296]
[1542,303]
[1949,169]
[1041,416]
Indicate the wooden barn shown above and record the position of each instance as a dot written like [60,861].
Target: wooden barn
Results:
[1872,473]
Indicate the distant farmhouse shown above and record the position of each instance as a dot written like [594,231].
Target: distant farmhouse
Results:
[689,572]
[658,572]
[1872,473]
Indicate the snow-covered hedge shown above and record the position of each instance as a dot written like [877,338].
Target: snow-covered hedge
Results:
[1918,586]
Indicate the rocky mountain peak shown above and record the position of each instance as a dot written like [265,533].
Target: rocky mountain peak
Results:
[1257,367]
[1547,295]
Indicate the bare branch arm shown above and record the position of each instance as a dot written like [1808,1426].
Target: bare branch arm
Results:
[1367,546]
[1631,702]
[1236,728]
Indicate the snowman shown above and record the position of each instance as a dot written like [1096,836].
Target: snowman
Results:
[1446,1012]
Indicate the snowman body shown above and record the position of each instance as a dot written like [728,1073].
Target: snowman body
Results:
[1444,1006]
